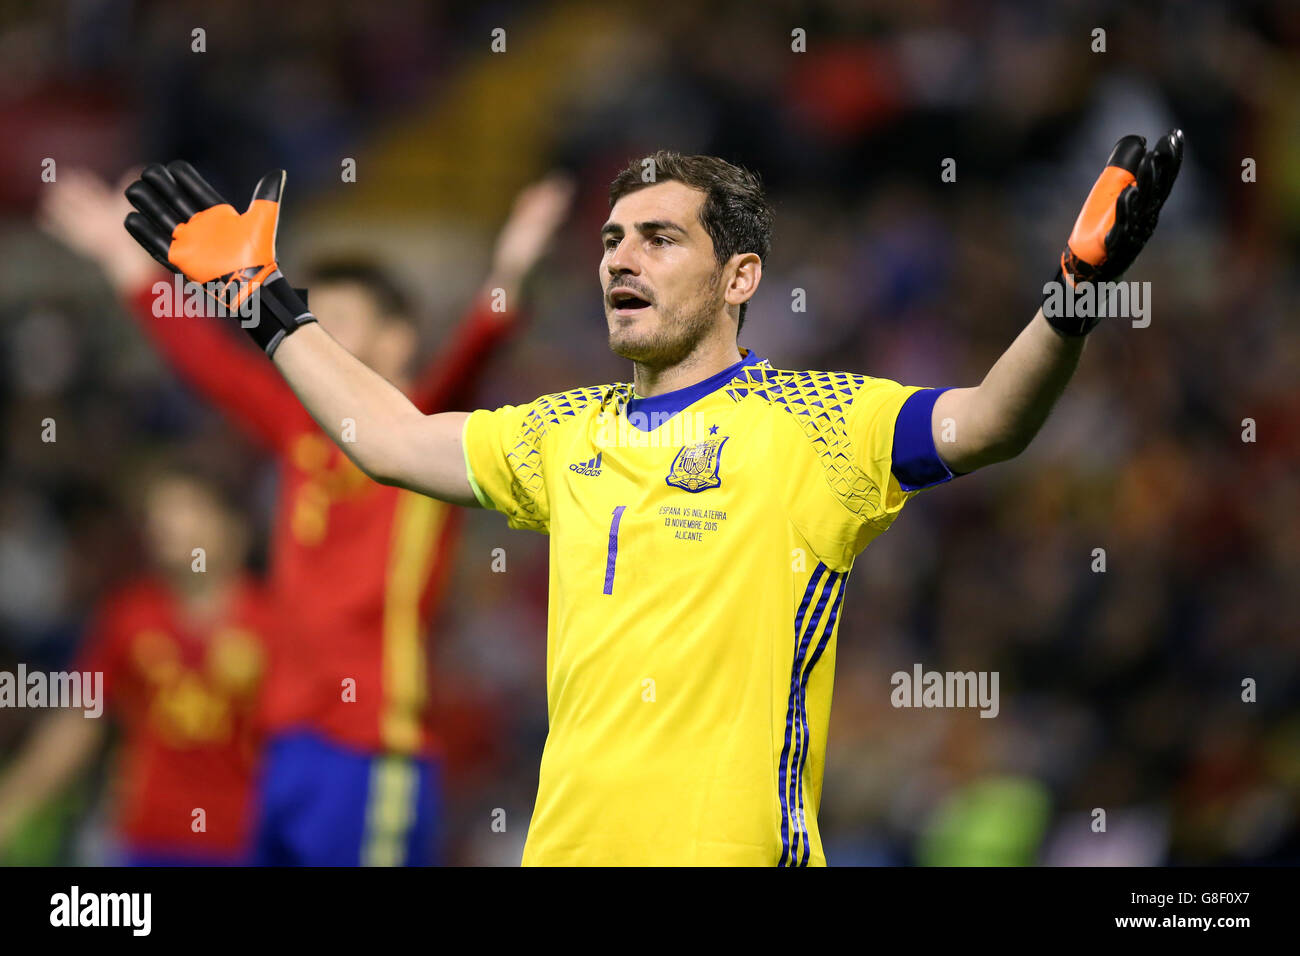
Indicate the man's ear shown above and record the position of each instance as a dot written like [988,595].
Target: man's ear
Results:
[744,281]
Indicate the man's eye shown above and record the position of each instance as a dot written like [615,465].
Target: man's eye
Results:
[659,239]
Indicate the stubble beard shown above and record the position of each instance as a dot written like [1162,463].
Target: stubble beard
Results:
[677,333]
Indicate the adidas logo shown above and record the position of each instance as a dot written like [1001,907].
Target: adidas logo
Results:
[590,468]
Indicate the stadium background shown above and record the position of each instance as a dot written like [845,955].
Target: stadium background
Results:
[1119,690]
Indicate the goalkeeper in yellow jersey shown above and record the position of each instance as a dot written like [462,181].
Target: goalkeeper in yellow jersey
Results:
[690,651]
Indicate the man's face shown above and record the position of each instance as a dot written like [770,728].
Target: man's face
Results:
[659,276]
[351,315]
[182,514]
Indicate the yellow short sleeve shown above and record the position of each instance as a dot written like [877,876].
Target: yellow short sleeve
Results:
[503,459]
[870,426]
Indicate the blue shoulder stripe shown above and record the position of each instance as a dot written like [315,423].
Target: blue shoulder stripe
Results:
[916,462]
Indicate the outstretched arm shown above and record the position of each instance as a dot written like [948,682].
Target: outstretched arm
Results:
[997,419]
[391,440]
[184,224]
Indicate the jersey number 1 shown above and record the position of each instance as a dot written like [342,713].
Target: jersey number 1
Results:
[612,556]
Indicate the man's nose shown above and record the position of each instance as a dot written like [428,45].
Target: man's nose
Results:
[621,260]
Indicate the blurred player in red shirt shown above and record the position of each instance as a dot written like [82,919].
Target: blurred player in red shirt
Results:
[182,651]
[351,775]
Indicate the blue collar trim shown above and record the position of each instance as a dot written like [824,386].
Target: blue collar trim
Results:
[665,406]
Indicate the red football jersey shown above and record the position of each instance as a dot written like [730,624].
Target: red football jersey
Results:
[186,698]
[355,566]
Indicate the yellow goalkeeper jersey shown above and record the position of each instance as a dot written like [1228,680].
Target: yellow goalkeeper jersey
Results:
[700,543]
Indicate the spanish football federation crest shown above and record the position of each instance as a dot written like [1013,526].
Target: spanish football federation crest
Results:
[696,466]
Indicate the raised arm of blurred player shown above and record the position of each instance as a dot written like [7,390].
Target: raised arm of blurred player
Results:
[537,213]
[85,213]
[55,751]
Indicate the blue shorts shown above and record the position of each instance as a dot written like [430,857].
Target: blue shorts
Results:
[320,804]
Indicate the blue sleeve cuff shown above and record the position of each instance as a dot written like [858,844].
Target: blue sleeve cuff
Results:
[916,462]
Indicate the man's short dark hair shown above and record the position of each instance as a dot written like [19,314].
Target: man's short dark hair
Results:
[735,212]
[391,299]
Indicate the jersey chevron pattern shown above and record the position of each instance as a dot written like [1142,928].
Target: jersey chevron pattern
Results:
[699,554]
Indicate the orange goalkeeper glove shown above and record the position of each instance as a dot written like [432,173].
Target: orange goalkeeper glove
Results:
[186,225]
[1117,219]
